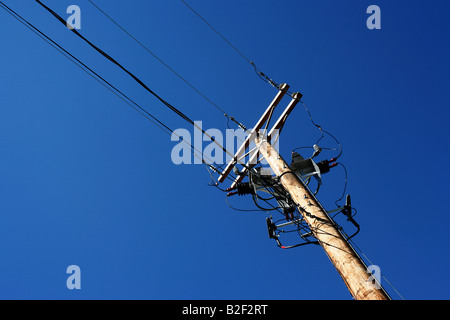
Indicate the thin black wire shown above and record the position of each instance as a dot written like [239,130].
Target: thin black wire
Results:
[109,86]
[140,82]
[301,226]
[242,210]
[260,74]
[166,65]
[178,112]
[273,208]
[309,147]
[264,77]
[100,79]
[323,132]
[319,222]
[268,80]
[218,33]
[384,277]
[345,184]
[86,68]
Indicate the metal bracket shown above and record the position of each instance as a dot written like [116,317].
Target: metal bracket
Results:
[276,129]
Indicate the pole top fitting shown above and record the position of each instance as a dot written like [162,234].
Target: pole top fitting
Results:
[297,95]
[284,87]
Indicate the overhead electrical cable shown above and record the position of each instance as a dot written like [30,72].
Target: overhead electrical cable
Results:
[273,83]
[323,132]
[86,68]
[58,17]
[372,264]
[103,81]
[218,33]
[260,74]
[263,76]
[139,81]
[117,92]
[299,224]
[169,67]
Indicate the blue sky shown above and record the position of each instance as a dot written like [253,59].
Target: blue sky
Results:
[87,181]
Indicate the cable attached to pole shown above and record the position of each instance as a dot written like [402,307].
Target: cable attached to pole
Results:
[103,81]
[260,74]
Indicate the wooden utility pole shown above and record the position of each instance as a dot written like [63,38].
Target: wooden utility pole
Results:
[346,261]
[359,281]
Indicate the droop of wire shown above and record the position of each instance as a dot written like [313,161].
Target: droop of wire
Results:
[260,74]
[125,98]
[230,118]
[139,81]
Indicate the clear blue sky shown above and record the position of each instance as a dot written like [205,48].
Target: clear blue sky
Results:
[87,181]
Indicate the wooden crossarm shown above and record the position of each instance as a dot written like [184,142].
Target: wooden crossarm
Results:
[269,111]
[276,129]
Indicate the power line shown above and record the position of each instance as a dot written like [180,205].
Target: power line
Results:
[103,82]
[87,69]
[218,33]
[140,82]
[103,53]
[265,78]
[167,66]
[123,97]
[384,277]
[260,74]
[323,132]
